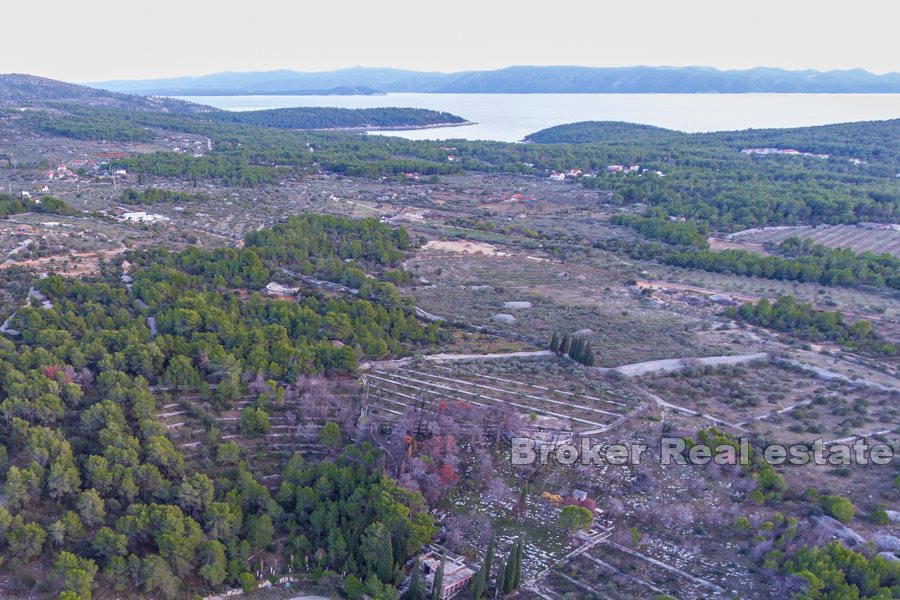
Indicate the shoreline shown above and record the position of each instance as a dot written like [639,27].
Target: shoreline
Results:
[393,127]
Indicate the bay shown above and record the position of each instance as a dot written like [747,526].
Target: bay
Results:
[510,117]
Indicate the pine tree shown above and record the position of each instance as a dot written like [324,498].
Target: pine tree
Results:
[438,581]
[554,342]
[16,489]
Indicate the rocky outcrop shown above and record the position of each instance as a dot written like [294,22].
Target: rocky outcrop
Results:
[834,528]
[886,543]
[503,318]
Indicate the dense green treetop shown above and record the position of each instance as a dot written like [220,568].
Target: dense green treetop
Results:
[92,483]
[45,204]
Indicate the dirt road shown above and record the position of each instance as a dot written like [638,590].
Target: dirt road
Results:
[676,364]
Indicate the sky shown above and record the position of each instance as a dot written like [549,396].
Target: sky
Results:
[96,40]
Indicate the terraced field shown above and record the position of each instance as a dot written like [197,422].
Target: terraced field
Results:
[425,386]
[860,238]
[196,428]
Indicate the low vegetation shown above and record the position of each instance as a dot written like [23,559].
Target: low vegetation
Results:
[806,323]
[151,196]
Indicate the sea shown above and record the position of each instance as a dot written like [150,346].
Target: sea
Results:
[510,117]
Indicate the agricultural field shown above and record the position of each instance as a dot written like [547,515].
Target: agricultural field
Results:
[874,238]
[75,246]
[661,517]
[572,401]
[877,307]
[781,403]
[198,425]
[542,295]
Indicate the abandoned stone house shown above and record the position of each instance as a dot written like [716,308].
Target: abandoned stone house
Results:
[456,574]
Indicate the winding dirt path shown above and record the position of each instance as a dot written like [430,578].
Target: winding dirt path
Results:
[669,365]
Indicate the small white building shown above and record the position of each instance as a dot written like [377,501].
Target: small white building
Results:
[142,217]
[276,289]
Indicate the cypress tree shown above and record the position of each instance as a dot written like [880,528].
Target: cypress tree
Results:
[520,554]
[509,576]
[566,344]
[575,351]
[501,581]
[554,342]
[386,562]
[590,358]
[415,584]
[476,589]
[488,559]
[438,581]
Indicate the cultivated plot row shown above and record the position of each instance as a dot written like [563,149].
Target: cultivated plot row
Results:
[859,239]
[393,391]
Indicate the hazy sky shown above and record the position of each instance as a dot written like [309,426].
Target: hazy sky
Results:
[105,39]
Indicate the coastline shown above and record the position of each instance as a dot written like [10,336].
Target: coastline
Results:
[393,127]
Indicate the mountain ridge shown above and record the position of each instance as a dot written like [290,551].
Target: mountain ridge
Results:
[521,79]
[18,88]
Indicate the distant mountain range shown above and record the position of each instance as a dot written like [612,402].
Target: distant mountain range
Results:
[517,80]
[18,91]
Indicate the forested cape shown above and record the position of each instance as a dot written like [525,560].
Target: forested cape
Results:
[94,491]
[339,118]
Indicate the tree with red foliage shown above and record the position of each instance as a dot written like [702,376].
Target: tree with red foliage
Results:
[448,475]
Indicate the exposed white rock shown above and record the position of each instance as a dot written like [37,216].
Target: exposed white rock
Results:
[517,305]
[886,543]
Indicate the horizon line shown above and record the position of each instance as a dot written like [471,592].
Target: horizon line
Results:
[485,70]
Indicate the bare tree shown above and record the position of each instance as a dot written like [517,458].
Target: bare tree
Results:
[469,534]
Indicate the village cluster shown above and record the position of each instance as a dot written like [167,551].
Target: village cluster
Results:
[611,169]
